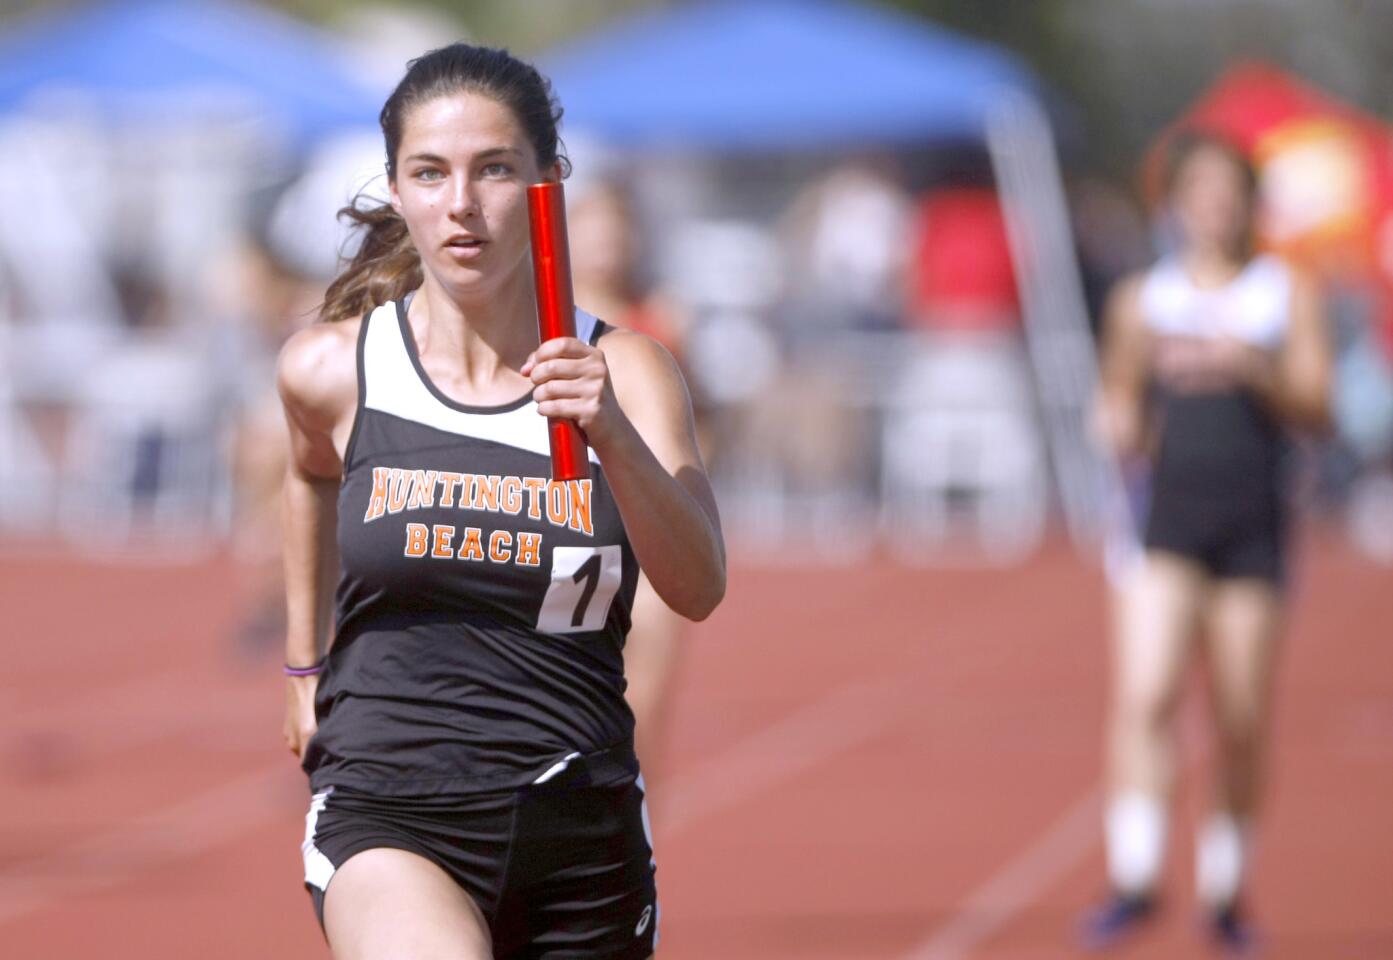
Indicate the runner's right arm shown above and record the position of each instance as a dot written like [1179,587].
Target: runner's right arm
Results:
[317,379]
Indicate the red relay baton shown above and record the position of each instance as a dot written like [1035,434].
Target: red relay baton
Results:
[556,312]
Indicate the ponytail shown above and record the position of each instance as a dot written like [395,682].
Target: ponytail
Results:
[386,266]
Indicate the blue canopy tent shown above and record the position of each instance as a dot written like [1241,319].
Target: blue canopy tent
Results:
[151,60]
[780,74]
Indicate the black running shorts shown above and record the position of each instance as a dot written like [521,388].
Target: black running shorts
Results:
[1230,540]
[562,868]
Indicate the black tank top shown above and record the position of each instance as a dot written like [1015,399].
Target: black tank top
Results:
[482,607]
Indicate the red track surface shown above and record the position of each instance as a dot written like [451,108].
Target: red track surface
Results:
[866,763]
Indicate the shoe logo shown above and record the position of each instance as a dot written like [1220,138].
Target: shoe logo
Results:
[643,920]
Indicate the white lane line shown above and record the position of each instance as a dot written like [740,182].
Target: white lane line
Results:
[841,720]
[1066,844]
[83,734]
[1017,884]
[117,854]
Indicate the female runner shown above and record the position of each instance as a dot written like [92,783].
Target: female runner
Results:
[1211,358]
[466,737]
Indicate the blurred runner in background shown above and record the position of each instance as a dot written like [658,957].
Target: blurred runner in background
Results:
[604,235]
[1210,359]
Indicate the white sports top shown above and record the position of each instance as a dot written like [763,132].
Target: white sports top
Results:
[1254,306]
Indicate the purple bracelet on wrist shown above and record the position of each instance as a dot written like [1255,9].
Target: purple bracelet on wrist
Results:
[316,668]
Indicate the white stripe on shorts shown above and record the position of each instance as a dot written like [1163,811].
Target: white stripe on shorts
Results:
[652,853]
[556,767]
[318,869]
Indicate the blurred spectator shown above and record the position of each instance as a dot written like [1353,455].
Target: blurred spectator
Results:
[845,234]
[1112,239]
[145,456]
[267,300]
[605,271]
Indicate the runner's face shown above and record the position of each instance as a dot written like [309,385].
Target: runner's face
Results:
[1211,200]
[463,167]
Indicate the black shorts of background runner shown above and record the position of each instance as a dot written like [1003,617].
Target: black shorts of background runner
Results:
[560,868]
[1230,541]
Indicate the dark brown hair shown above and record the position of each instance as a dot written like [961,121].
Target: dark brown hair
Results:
[387,265]
[1186,143]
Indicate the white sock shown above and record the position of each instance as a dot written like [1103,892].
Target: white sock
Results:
[1135,831]
[1221,854]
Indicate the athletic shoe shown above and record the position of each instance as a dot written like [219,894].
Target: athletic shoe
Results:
[1117,918]
[1231,932]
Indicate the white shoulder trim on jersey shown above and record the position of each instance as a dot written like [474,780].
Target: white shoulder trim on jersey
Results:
[585,325]
[393,386]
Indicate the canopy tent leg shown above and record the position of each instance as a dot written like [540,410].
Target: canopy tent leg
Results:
[1060,345]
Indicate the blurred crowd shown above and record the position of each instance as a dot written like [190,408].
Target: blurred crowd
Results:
[851,324]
